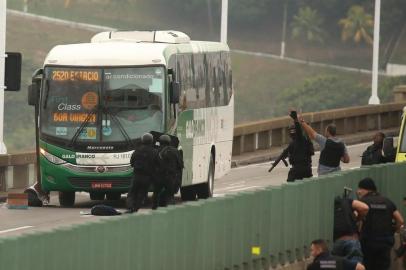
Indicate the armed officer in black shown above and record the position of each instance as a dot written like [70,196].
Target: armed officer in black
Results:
[144,161]
[377,233]
[169,178]
[299,152]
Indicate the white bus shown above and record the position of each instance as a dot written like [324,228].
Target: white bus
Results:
[95,100]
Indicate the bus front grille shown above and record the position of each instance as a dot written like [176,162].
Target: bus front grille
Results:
[86,183]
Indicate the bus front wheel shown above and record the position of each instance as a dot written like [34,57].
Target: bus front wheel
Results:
[66,199]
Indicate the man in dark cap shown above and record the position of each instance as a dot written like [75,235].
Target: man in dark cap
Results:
[377,232]
[143,160]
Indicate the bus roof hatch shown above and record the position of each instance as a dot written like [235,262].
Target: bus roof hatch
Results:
[168,36]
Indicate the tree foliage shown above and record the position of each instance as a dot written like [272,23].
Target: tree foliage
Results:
[322,93]
[307,25]
[357,26]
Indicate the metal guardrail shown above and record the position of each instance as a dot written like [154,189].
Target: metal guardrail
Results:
[247,137]
[274,132]
[249,230]
[17,170]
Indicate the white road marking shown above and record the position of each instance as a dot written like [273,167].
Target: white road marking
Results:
[219,195]
[16,229]
[231,187]
[237,183]
[245,188]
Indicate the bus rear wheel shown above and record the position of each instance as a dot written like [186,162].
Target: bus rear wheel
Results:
[205,190]
[66,199]
[113,196]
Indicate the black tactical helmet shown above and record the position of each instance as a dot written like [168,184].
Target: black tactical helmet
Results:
[147,138]
[164,139]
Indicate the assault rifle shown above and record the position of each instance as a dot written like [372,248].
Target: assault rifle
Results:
[282,157]
[347,192]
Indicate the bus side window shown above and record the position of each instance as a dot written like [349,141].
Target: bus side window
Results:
[207,80]
[216,92]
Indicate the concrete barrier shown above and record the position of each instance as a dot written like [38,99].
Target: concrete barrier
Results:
[274,132]
[17,170]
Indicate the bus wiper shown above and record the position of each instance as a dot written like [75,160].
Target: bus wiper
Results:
[120,126]
[46,93]
[82,126]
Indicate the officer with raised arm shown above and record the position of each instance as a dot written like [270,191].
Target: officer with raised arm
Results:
[299,152]
[332,149]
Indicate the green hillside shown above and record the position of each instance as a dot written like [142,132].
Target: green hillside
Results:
[253,25]
[262,86]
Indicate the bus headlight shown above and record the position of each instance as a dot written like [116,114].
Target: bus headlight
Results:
[51,158]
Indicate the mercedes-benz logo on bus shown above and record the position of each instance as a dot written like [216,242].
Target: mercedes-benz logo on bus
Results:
[101,169]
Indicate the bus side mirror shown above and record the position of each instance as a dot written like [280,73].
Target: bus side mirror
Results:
[174,92]
[12,74]
[33,93]
[34,88]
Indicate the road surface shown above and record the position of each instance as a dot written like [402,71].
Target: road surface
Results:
[251,177]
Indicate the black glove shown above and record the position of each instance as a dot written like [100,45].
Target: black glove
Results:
[293,114]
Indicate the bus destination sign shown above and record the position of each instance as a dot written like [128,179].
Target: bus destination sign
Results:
[76,75]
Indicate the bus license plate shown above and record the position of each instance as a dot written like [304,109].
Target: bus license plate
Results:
[103,185]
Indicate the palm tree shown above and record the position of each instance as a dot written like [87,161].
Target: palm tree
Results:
[307,25]
[358,25]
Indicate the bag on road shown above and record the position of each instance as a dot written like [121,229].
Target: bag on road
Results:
[104,210]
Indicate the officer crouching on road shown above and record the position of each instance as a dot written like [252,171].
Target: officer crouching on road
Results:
[169,176]
[377,232]
[323,259]
[143,160]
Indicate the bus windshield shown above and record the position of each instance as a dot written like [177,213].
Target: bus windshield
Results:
[101,105]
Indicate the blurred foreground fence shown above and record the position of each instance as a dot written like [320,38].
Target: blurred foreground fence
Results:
[249,230]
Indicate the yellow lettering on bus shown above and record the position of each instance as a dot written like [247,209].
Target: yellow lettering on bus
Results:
[75,75]
[60,117]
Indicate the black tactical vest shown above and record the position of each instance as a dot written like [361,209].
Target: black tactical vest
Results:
[143,160]
[378,222]
[332,153]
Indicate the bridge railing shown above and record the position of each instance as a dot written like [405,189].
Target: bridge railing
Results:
[249,230]
[17,170]
[274,132]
